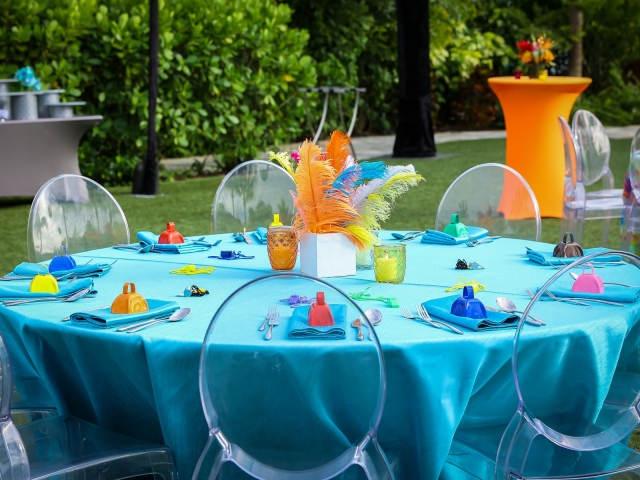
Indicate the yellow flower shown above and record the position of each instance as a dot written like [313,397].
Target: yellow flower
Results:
[526,57]
[288,78]
[546,44]
[548,56]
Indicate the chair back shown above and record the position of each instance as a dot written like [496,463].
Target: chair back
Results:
[495,197]
[291,408]
[594,145]
[14,464]
[634,164]
[574,192]
[249,195]
[75,212]
[578,386]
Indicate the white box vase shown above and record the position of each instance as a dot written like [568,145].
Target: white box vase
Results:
[327,255]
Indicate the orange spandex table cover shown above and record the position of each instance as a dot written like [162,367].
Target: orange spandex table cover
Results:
[534,146]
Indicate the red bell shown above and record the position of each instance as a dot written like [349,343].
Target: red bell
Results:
[320,313]
[170,235]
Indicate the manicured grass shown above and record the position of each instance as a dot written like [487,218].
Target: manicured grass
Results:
[188,203]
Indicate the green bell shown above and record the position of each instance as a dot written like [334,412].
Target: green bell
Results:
[455,228]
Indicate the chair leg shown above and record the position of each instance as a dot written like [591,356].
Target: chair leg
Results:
[514,447]
[211,460]
[605,231]
[374,462]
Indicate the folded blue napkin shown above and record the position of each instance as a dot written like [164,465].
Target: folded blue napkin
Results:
[21,292]
[26,269]
[299,325]
[261,234]
[103,318]
[189,246]
[441,238]
[441,308]
[547,258]
[612,293]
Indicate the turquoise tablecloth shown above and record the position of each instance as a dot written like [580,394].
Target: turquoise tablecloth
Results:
[146,385]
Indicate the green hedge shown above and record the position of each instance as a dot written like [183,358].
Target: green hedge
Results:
[229,74]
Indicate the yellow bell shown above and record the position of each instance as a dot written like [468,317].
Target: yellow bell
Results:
[129,301]
[44,283]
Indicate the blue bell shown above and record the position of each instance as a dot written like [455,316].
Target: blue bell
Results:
[467,306]
[62,262]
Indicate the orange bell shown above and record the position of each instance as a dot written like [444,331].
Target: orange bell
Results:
[129,301]
[170,235]
[320,313]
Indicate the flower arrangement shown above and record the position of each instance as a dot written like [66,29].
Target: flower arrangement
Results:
[536,54]
[27,78]
[336,194]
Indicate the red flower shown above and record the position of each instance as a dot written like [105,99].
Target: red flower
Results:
[525,46]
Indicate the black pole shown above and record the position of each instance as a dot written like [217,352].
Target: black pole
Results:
[414,137]
[146,178]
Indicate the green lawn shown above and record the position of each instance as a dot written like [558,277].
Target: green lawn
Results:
[188,203]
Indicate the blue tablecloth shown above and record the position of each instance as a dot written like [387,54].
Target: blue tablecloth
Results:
[146,385]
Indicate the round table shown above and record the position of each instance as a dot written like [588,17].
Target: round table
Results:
[145,385]
[534,145]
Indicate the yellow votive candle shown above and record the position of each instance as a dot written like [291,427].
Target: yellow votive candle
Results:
[386,269]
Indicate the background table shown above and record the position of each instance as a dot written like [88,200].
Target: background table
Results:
[146,385]
[534,145]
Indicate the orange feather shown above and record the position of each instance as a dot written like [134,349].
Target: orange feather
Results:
[338,150]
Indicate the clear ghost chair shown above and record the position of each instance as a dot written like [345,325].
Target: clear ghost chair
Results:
[595,148]
[631,225]
[75,212]
[576,395]
[249,195]
[65,447]
[577,205]
[290,408]
[495,197]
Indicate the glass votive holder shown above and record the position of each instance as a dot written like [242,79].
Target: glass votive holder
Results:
[364,259]
[389,263]
[282,247]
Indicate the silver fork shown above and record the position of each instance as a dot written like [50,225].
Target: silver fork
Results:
[407,314]
[422,313]
[275,320]
[566,300]
[270,314]
[473,242]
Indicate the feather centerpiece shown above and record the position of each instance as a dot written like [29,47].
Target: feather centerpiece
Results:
[336,194]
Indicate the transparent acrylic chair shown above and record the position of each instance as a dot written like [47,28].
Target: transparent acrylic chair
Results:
[290,409]
[495,197]
[65,448]
[249,195]
[631,224]
[577,205]
[76,212]
[595,148]
[577,392]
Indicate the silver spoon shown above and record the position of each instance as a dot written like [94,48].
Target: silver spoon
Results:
[575,277]
[508,306]
[175,317]
[374,316]
[357,324]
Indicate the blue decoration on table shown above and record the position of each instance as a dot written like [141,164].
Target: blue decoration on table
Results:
[189,246]
[357,174]
[468,306]
[547,258]
[103,318]
[441,238]
[441,308]
[27,78]
[62,262]
[231,255]
[261,234]
[299,325]
[30,270]
[21,291]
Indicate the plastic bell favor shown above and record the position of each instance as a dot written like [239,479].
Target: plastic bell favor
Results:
[170,235]
[455,228]
[588,282]
[320,313]
[568,249]
[468,306]
[276,221]
[129,301]
[62,262]
[44,283]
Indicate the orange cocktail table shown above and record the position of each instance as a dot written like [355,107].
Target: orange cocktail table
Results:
[534,146]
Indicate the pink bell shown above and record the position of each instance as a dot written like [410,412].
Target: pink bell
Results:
[588,282]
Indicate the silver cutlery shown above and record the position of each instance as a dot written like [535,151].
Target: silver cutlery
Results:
[76,296]
[407,314]
[473,242]
[270,314]
[175,317]
[273,321]
[508,306]
[374,316]
[357,324]
[562,300]
[66,319]
[575,277]
[409,236]
[424,315]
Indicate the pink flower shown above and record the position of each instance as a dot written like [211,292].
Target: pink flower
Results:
[295,156]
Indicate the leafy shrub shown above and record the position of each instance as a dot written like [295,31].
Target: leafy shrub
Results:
[229,71]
